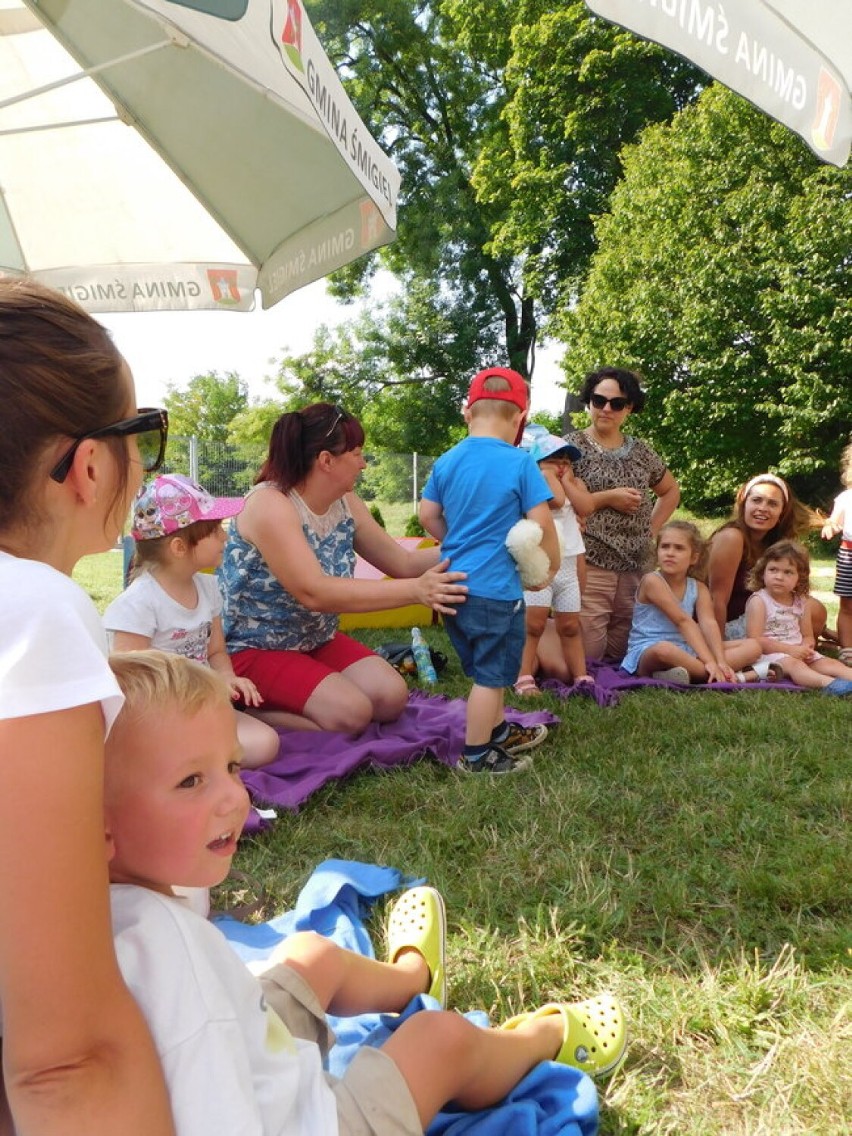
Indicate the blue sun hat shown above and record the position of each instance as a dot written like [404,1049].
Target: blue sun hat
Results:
[541,444]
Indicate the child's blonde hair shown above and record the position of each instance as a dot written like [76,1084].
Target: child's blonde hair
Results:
[153,680]
[154,551]
[494,407]
[783,550]
[698,570]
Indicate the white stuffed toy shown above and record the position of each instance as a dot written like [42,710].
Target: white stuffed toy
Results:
[524,544]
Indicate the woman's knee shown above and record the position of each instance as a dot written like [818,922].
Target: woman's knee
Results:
[390,698]
[340,707]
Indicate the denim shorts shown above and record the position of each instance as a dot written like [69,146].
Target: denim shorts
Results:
[488,636]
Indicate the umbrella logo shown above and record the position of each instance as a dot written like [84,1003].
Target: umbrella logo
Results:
[291,36]
[371,225]
[223,285]
[827,111]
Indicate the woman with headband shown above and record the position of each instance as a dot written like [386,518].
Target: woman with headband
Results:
[765,510]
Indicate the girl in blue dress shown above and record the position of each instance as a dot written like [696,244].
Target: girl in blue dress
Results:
[674,635]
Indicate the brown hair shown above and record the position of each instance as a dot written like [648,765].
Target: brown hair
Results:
[154,551]
[783,550]
[300,436]
[794,519]
[60,376]
[699,569]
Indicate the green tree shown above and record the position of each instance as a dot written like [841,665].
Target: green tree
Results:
[207,405]
[723,274]
[441,84]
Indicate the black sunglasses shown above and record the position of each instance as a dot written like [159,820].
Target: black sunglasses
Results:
[599,402]
[151,427]
[341,413]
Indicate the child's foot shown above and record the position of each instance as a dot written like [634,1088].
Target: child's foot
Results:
[845,656]
[584,680]
[838,686]
[680,675]
[594,1036]
[494,760]
[418,922]
[518,738]
[525,686]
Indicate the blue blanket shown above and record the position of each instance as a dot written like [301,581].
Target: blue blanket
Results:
[552,1099]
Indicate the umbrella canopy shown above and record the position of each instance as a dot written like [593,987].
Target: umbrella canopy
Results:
[175,154]
[791,58]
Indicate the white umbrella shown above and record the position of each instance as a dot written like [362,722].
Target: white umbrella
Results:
[791,58]
[204,149]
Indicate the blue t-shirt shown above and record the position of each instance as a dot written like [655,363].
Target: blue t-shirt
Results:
[484,486]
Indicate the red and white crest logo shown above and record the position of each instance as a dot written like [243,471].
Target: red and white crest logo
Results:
[223,285]
[829,96]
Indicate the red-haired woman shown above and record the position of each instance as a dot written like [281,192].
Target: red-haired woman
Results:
[287,574]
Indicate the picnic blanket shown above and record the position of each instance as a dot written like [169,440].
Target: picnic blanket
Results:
[552,1099]
[611,682]
[431,724]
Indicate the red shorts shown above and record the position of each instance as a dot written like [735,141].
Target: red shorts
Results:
[287,679]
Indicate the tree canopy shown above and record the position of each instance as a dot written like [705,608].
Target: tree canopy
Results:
[501,168]
[723,274]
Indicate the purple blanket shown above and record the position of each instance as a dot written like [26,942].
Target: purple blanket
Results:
[611,682]
[430,725]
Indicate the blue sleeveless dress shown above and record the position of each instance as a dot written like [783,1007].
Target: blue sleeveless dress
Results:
[651,626]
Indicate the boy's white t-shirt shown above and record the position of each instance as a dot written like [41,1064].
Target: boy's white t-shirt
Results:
[52,644]
[231,1065]
[144,608]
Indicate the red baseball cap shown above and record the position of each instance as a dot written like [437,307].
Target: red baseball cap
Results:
[517,393]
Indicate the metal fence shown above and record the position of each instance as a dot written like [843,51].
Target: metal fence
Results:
[226,470]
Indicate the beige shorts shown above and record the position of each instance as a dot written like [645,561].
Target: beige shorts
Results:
[372,1096]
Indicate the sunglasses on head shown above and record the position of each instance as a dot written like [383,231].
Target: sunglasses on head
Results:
[599,402]
[340,413]
[149,425]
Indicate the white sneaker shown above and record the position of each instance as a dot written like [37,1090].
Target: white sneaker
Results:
[679,675]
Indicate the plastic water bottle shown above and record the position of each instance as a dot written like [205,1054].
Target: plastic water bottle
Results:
[422,657]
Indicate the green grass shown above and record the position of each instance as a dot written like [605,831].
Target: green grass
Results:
[689,852]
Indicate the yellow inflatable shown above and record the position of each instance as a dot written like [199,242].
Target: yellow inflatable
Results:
[414,615]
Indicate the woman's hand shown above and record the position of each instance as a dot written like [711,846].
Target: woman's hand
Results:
[624,499]
[439,589]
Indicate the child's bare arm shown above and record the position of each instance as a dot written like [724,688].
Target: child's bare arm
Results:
[577,493]
[654,590]
[432,519]
[551,476]
[835,522]
[709,628]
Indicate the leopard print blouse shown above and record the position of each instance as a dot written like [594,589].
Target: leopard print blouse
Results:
[618,542]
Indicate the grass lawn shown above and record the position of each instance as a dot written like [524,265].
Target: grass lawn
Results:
[689,852]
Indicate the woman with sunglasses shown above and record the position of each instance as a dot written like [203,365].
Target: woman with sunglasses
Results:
[287,574]
[77,1057]
[633,494]
[765,510]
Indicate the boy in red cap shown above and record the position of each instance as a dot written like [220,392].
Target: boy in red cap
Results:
[476,492]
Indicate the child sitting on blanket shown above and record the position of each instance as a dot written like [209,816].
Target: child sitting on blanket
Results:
[554,456]
[475,493]
[173,603]
[674,635]
[779,618]
[243,1054]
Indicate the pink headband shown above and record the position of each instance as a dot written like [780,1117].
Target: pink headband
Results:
[772,479]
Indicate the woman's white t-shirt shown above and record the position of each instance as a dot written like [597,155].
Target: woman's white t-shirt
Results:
[52,644]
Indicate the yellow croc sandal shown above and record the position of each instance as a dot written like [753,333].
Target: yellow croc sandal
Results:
[594,1034]
[418,919]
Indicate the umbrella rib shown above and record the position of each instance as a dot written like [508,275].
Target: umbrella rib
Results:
[59,125]
[83,74]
